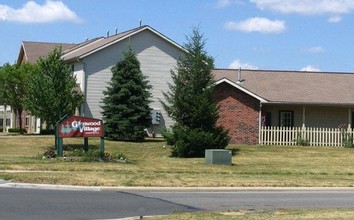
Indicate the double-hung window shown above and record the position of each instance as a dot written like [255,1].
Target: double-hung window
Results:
[286,118]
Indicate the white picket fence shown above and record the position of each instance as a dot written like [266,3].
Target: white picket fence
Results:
[305,136]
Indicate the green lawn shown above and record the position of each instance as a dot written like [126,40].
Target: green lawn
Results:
[150,165]
[282,214]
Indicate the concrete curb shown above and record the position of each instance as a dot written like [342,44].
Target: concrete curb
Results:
[6,184]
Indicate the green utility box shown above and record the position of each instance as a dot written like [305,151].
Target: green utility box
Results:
[218,156]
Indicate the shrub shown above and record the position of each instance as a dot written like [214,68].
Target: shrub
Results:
[94,155]
[76,151]
[17,130]
[347,139]
[194,142]
[300,141]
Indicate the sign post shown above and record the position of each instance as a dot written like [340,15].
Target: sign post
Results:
[58,141]
[76,126]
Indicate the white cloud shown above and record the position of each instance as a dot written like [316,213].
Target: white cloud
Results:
[307,6]
[236,64]
[311,68]
[31,12]
[226,3]
[262,25]
[317,49]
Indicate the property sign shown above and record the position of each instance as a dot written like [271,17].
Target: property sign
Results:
[76,126]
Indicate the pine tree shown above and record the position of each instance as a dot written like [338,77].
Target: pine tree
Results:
[190,103]
[126,110]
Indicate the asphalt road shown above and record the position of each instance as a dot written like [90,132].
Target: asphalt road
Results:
[62,204]
[29,203]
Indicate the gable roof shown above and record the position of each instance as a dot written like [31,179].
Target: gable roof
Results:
[100,43]
[32,51]
[292,87]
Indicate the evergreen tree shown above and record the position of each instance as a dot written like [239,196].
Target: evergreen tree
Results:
[126,111]
[52,89]
[190,103]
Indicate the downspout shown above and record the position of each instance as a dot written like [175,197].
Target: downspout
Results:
[83,80]
[259,122]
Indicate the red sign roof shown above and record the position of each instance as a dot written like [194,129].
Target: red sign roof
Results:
[76,126]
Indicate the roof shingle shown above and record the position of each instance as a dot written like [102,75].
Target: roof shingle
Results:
[329,88]
[32,51]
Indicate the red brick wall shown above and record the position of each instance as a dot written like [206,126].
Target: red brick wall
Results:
[238,113]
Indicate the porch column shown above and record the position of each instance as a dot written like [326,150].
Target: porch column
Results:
[4,120]
[13,123]
[29,124]
[32,124]
[303,116]
[350,118]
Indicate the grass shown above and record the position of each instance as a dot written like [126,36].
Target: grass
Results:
[264,214]
[150,164]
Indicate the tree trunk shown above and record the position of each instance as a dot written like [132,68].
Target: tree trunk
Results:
[4,119]
[19,112]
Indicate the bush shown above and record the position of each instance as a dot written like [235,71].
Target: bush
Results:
[347,139]
[17,130]
[194,142]
[76,152]
[300,141]
[94,155]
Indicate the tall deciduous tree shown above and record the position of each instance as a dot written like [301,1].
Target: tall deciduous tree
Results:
[15,78]
[2,86]
[2,97]
[190,103]
[52,89]
[126,110]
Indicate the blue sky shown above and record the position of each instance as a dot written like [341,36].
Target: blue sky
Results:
[316,35]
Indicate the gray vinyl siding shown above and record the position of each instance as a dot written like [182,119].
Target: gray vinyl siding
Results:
[315,116]
[78,73]
[157,57]
[326,117]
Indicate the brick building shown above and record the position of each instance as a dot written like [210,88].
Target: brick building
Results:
[254,101]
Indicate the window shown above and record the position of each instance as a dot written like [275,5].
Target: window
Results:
[8,122]
[286,119]
[27,121]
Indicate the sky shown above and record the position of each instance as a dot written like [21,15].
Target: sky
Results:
[308,35]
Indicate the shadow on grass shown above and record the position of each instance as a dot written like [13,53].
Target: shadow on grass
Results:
[71,147]
[149,140]
[235,151]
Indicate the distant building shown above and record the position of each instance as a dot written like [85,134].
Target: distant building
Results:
[92,61]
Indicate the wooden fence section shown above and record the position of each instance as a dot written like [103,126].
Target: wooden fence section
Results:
[305,136]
